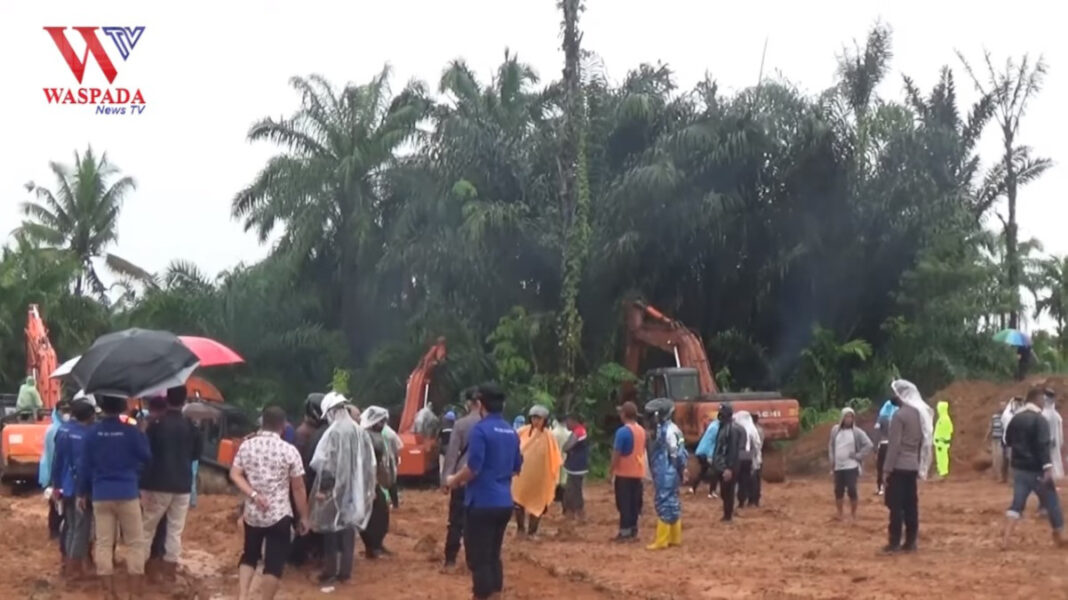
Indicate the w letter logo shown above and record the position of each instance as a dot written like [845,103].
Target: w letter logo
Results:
[125,38]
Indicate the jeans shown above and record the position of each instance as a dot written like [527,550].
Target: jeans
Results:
[1024,483]
[454,533]
[174,507]
[483,537]
[629,504]
[127,514]
[338,549]
[903,502]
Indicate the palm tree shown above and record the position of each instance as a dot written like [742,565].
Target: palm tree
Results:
[326,188]
[1053,276]
[1012,90]
[82,217]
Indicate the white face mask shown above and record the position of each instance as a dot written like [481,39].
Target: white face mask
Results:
[64,417]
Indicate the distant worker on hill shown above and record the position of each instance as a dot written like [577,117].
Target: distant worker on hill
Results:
[667,466]
[1028,438]
[705,446]
[999,452]
[943,437]
[846,450]
[882,431]
[1056,432]
[908,458]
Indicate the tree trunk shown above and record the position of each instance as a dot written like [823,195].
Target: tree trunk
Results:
[1011,242]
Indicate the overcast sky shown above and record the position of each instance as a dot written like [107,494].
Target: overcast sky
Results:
[208,70]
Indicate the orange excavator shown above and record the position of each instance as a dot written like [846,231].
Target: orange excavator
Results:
[690,382]
[22,438]
[419,456]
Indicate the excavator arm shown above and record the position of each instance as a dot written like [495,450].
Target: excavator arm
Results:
[41,359]
[416,395]
[647,326]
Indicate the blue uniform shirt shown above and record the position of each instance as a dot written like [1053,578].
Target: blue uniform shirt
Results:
[70,446]
[493,456]
[114,454]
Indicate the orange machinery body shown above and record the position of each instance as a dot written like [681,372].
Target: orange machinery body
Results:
[691,384]
[22,447]
[223,426]
[419,456]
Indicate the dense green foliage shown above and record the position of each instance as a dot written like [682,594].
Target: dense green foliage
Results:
[819,244]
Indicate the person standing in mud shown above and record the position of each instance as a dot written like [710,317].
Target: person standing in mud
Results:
[77,524]
[373,420]
[999,453]
[882,432]
[306,438]
[846,450]
[727,457]
[628,471]
[455,460]
[493,459]
[534,488]
[756,482]
[908,457]
[1028,437]
[704,458]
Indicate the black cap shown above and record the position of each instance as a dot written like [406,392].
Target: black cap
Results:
[489,390]
[1049,392]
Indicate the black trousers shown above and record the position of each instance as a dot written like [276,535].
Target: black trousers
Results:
[394,496]
[159,540]
[706,472]
[338,550]
[454,533]
[377,527]
[629,504]
[745,476]
[55,527]
[756,486]
[525,524]
[880,462]
[726,492]
[276,540]
[483,536]
[903,502]
[574,503]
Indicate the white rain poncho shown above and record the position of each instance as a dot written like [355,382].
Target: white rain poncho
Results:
[390,443]
[753,443]
[344,463]
[907,392]
[426,423]
[1056,436]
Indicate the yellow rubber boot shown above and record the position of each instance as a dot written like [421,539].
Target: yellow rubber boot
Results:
[663,536]
[675,533]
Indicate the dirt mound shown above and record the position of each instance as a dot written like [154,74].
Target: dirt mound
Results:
[971,405]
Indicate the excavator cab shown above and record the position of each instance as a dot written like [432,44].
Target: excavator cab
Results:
[678,383]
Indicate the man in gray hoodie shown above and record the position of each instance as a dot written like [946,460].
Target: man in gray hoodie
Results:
[846,449]
[902,471]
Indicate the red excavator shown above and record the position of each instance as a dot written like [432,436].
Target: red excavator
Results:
[419,456]
[22,438]
[690,382]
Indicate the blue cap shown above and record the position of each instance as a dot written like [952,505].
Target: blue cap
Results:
[451,416]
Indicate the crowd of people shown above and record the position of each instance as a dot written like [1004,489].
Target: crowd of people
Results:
[309,491]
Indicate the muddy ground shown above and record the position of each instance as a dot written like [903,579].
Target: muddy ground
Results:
[787,549]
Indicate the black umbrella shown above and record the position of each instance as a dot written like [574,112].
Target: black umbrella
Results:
[134,363]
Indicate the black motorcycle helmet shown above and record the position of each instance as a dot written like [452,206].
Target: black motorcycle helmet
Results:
[658,410]
[313,407]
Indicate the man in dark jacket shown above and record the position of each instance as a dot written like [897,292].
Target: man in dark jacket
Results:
[1028,438]
[168,480]
[727,457]
[455,461]
[576,465]
[306,439]
[902,470]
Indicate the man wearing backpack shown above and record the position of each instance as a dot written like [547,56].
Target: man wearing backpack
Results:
[846,449]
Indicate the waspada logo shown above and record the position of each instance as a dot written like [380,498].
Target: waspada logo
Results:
[107,100]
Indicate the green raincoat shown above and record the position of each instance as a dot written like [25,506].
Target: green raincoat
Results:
[28,398]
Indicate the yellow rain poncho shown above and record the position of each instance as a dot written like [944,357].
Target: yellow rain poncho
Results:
[943,435]
[534,487]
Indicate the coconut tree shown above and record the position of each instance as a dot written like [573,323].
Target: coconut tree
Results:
[326,188]
[81,217]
